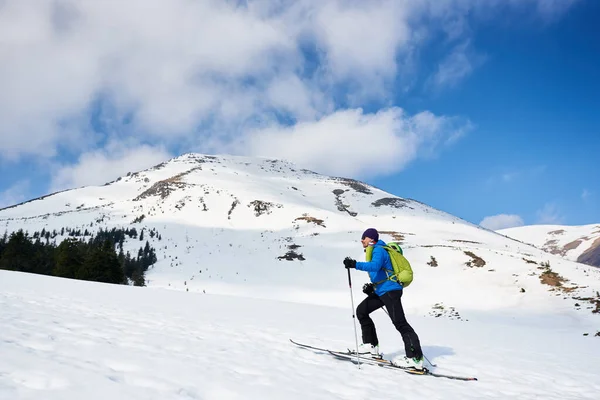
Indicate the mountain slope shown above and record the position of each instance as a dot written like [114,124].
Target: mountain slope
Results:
[576,243]
[68,340]
[267,229]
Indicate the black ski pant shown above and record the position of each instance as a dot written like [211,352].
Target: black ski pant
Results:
[393,303]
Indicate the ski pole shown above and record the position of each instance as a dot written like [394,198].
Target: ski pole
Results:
[424,356]
[353,317]
[430,363]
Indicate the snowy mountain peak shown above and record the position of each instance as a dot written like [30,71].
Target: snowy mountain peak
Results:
[230,191]
[258,227]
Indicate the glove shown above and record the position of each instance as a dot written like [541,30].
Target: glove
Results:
[368,289]
[349,263]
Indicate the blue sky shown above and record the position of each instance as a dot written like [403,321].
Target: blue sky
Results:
[487,110]
[535,149]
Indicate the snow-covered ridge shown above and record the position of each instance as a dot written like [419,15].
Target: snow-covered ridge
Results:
[266,228]
[576,243]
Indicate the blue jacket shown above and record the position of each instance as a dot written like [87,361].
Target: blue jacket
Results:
[376,269]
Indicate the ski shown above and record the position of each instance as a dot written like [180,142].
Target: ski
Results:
[389,365]
[309,347]
[352,357]
[349,352]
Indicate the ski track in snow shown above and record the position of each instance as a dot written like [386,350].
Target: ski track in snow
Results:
[63,339]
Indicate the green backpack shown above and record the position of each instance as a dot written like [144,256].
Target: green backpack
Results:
[396,247]
[403,272]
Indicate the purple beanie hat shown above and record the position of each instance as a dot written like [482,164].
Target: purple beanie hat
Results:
[371,233]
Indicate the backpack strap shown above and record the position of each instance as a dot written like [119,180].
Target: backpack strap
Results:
[369,257]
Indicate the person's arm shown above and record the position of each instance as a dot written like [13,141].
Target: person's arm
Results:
[376,262]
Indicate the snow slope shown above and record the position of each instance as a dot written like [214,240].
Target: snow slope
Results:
[227,224]
[576,243]
[69,340]
[251,255]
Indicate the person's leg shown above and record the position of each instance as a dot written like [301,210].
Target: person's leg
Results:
[393,303]
[366,307]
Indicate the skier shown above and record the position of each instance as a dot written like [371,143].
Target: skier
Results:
[383,292]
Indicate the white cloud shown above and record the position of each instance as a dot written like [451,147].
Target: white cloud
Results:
[549,215]
[208,71]
[104,165]
[291,95]
[552,9]
[510,175]
[455,17]
[361,40]
[355,143]
[585,195]
[15,194]
[501,221]
[171,69]
[460,63]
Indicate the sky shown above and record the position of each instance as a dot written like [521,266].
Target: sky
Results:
[487,110]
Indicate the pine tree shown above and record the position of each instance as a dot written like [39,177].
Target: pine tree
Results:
[43,258]
[138,278]
[149,256]
[129,265]
[92,265]
[69,258]
[114,272]
[3,242]
[94,258]
[18,253]
[121,256]
[102,265]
